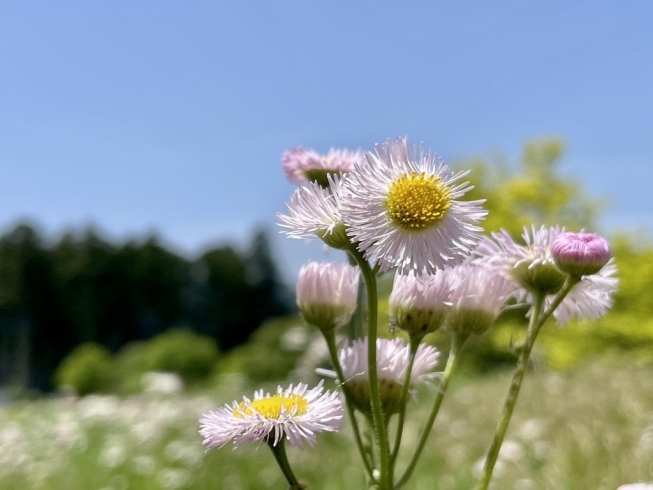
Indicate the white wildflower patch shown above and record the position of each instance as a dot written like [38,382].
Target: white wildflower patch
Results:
[106,440]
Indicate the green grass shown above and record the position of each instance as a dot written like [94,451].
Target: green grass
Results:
[591,428]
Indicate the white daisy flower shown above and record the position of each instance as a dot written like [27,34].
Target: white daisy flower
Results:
[314,211]
[531,267]
[296,413]
[403,210]
[392,358]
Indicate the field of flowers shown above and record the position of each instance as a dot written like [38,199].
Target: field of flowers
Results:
[591,428]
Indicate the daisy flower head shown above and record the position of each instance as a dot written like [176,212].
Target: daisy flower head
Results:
[314,211]
[301,165]
[327,293]
[530,266]
[296,414]
[477,295]
[392,358]
[636,486]
[404,212]
[532,269]
[419,304]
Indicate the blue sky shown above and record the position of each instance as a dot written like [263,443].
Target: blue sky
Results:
[172,116]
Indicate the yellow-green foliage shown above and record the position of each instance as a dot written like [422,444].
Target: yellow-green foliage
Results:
[530,191]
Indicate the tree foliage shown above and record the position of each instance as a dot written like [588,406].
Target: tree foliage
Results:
[85,289]
[531,191]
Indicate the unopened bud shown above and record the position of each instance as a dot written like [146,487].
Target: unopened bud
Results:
[580,254]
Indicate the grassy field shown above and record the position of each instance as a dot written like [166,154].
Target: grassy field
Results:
[591,428]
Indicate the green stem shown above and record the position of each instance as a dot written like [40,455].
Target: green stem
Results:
[564,291]
[355,328]
[368,443]
[333,352]
[377,412]
[457,342]
[414,344]
[280,456]
[537,320]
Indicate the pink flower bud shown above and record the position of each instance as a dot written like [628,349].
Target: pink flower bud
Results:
[326,293]
[580,254]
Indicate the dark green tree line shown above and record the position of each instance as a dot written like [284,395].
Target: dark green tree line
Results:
[83,288]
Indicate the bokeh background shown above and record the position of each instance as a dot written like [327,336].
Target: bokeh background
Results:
[143,279]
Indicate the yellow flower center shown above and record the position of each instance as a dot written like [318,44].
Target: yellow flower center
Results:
[272,406]
[417,201]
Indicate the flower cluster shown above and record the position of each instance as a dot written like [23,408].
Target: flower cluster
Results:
[533,268]
[466,299]
[401,209]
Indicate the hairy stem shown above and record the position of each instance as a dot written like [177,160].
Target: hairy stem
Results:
[457,342]
[331,344]
[378,419]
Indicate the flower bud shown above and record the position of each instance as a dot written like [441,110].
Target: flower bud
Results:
[539,276]
[326,293]
[580,254]
[335,237]
[478,293]
[320,176]
[418,304]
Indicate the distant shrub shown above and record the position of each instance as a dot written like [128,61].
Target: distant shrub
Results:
[190,355]
[181,351]
[89,368]
[270,355]
[131,365]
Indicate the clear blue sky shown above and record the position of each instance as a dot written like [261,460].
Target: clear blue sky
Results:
[171,116]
